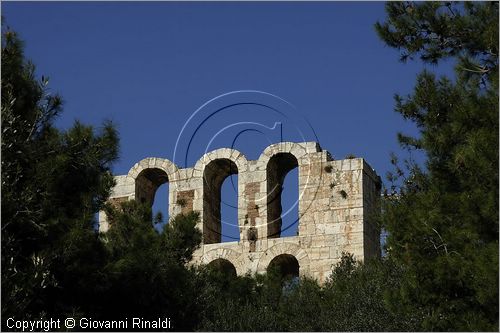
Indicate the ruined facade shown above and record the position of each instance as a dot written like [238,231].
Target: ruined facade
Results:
[336,201]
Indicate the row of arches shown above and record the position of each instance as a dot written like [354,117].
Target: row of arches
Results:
[220,192]
[286,266]
[220,177]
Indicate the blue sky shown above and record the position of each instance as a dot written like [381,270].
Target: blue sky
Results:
[148,66]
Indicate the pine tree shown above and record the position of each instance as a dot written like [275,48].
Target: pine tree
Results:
[54,262]
[53,184]
[442,218]
[145,273]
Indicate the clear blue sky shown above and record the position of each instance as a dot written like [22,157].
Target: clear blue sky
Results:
[149,66]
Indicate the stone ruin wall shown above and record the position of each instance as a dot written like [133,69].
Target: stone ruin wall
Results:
[336,201]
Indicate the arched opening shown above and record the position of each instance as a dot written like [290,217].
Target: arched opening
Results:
[213,176]
[230,230]
[277,168]
[147,184]
[286,266]
[290,204]
[160,206]
[224,266]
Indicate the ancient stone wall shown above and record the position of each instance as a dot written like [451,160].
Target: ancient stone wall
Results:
[337,199]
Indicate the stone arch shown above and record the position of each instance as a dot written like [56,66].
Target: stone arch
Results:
[234,257]
[222,153]
[277,160]
[299,150]
[224,266]
[284,248]
[215,167]
[278,166]
[170,168]
[286,265]
[149,174]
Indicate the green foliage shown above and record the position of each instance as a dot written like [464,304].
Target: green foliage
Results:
[442,219]
[54,263]
[353,299]
[356,295]
[436,30]
[53,183]
[181,237]
[144,274]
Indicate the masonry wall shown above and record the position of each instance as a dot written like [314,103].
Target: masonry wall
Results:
[337,200]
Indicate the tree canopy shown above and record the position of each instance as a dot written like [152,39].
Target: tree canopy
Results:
[53,183]
[443,219]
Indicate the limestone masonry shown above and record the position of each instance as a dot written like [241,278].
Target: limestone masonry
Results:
[336,201]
